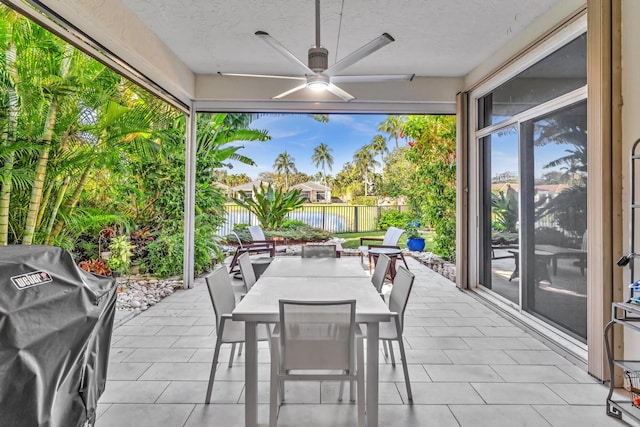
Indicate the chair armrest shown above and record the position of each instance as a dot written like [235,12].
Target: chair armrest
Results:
[384,246]
[376,239]
[269,245]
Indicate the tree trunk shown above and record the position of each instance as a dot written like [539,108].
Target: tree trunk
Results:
[44,202]
[73,201]
[12,125]
[41,171]
[56,207]
[43,159]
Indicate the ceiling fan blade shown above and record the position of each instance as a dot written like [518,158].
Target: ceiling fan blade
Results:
[356,56]
[283,50]
[290,91]
[265,76]
[373,78]
[340,92]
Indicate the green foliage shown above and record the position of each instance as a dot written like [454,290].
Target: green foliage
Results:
[393,218]
[412,232]
[504,208]
[242,231]
[365,201]
[121,251]
[433,183]
[166,253]
[271,205]
[397,173]
[292,224]
[301,233]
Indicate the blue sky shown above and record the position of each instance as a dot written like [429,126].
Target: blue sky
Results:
[299,134]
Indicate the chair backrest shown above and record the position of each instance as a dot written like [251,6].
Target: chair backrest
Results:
[392,236]
[317,335]
[402,284]
[256,232]
[319,251]
[221,293]
[380,272]
[246,269]
[584,246]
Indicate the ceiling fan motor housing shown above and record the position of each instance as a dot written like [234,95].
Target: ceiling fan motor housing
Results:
[318,59]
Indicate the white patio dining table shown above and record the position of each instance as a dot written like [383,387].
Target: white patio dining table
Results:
[260,305]
[287,266]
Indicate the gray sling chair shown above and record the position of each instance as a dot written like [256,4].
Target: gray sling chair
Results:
[246,269]
[380,273]
[227,331]
[392,330]
[314,337]
[319,251]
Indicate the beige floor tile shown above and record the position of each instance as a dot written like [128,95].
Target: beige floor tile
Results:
[145,415]
[498,416]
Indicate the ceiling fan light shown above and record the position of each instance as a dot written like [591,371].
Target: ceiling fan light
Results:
[318,85]
[318,82]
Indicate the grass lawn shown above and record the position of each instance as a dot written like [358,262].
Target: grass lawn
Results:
[353,239]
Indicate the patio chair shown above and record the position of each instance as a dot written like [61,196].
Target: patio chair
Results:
[380,273]
[254,247]
[258,237]
[390,240]
[246,269]
[315,337]
[392,330]
[319,251]
[228,331]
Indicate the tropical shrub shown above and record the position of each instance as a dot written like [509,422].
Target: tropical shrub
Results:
[95,266]
[301,233]
[364,201]
[242,231]
[292,224]
[269,205]
[393,218]
[166,253]
[121,251]
[433,184]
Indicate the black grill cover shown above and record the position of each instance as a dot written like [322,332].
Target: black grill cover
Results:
[55,332]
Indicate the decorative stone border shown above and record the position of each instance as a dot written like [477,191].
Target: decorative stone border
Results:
[138,293]
[434,262]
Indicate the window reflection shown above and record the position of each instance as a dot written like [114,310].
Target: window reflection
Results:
[559,287]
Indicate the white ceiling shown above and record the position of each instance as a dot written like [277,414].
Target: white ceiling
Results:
[434,38]
[180,46]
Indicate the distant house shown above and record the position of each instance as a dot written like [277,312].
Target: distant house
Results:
[223,187]
[314,192]
[246,188]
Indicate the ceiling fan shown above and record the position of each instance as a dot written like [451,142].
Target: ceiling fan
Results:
[317,74]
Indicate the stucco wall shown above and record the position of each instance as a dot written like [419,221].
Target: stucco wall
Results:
[630,133]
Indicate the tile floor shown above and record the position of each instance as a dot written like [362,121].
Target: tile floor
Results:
[468,366]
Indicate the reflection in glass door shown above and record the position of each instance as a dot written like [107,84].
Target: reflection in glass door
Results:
[500,213]
[555,218]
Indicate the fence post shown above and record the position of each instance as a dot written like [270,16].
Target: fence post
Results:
[324,213]
[355,222]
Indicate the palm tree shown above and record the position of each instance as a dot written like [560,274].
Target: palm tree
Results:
[365,163]
[322,156]
[284,165]
[392,126]
[379,146]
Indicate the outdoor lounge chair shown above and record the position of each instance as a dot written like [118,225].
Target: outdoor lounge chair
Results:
[390,240]
[252,248]
[258,237]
